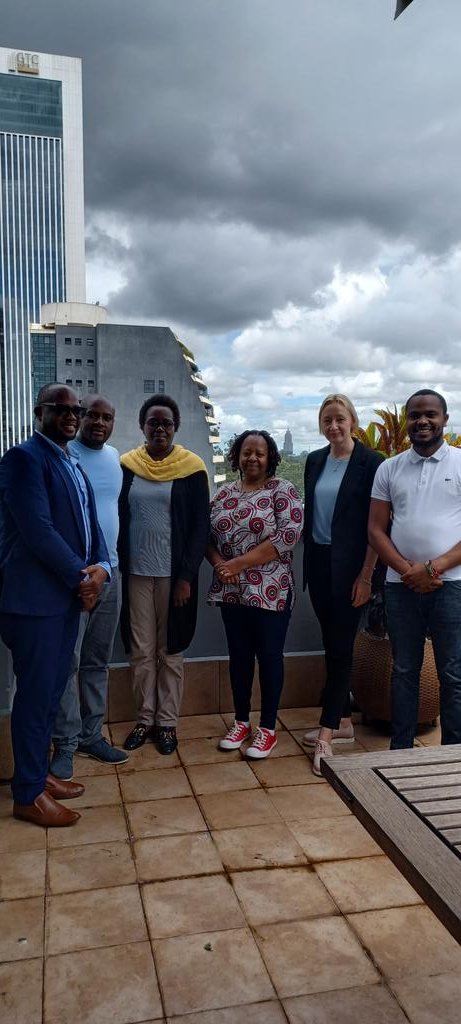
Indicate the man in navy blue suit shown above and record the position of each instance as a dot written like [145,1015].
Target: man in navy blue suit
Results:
[53,562]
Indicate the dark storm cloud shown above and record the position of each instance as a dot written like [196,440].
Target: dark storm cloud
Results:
[246,147]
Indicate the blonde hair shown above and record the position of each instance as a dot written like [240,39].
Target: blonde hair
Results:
[341,400]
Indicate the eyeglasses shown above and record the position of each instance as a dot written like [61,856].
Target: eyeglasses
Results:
[166,424]
[61,409]
[106,417]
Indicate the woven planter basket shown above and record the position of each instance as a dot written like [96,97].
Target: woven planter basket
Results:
[371,679]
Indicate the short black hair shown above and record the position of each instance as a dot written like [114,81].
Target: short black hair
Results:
[428,391]
[47,390]
[273,454]
[165,400]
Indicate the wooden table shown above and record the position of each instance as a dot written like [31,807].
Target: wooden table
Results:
[410,802]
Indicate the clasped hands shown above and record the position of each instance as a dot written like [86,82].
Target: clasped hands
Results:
[228,572]
[90,587]
[418,579]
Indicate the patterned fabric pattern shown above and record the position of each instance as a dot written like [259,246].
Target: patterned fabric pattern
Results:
[239,522]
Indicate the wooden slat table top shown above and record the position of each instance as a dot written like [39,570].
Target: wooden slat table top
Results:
[410,802]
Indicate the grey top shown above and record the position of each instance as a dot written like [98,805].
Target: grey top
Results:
[150,527]
[325,494]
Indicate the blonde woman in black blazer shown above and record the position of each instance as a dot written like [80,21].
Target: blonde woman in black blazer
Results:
[338,562]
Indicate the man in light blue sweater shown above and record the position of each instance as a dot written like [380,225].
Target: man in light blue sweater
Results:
[81,712]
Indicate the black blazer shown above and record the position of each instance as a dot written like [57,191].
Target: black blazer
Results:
[190,524]
[349,528]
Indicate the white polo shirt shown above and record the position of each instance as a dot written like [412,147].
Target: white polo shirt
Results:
[425,494]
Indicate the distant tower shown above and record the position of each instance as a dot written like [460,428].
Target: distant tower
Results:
[288,443]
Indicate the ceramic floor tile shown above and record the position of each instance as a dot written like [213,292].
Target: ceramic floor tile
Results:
[192,727]
[334,838]
[205,750]
[286,746]
[20,835]
[22,874]
[370,1005]
[116,986]
[430,736]
[165,817]
[156,784]
[119,732]
[430,1000]
[97,825]
[87,767]
[90,867]
[85,920]
[256,1013]
[407,941]
[221,778]
[218,969]
[176,857]
[229,719]
[100,791]
[297,802]
[300,718]
[191,905]
[314,956]
[148,757]
[258,846]
[285,894]
[284,771]
[371,883]
[6,801]
[21,986]
[371,738]
[21,929]
[238,809]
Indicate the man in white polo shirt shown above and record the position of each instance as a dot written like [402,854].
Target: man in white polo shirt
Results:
[421,488]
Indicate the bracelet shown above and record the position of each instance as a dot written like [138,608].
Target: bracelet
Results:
[431,570]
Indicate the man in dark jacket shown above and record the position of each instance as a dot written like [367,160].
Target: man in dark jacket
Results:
[53,562]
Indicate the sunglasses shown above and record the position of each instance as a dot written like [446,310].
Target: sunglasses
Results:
[61,409]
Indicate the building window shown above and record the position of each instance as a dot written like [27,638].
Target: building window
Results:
[90,342]
[68,341]
[90,362]
[68,380]
[78,362]
[78,383]
[68,362]
[78,341]
[91,385]
[161,387]
[149,386]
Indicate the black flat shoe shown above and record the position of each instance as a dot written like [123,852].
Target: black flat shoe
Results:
[137,737]
[166,739]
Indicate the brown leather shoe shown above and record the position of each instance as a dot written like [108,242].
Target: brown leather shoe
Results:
[45,811]
[63,790]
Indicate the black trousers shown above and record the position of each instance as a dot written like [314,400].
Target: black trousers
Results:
[256,633]
[339,623]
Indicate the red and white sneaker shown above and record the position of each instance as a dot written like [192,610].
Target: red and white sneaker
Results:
[237,735]
[263,742]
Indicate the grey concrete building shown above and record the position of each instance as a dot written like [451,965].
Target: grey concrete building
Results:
[76,345]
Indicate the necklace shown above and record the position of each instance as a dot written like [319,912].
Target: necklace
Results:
[337,460]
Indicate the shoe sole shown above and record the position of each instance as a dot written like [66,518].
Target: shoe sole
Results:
[60,778]
[232,746]
[100,760]
[259,756]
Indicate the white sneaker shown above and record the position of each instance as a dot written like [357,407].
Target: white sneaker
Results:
[345,734]
[322,749]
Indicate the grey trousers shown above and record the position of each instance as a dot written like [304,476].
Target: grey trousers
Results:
[157,677]
[83,705]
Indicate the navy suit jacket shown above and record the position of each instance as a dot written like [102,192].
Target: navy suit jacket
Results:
[42,532]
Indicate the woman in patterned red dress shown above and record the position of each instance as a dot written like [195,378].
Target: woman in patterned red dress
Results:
[255,524]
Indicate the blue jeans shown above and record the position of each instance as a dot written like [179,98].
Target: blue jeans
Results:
[81,712]
[410,617]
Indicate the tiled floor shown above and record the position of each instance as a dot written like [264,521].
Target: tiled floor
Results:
[204,889]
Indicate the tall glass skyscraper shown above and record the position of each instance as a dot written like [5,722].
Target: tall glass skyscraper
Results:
[41,214]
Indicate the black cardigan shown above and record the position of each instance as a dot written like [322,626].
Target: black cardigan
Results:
[349,528]
[190,517]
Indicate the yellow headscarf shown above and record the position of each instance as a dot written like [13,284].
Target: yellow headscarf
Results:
[175,466]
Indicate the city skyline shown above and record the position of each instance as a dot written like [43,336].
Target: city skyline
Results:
[283,191]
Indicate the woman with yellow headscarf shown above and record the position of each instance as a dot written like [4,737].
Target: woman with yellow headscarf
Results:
[164,521]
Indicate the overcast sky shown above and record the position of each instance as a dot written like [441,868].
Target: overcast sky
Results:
[278,182]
